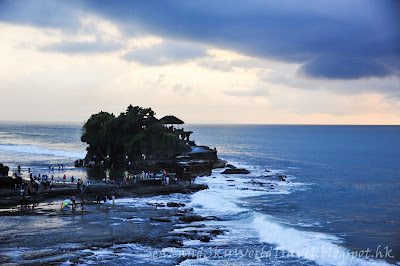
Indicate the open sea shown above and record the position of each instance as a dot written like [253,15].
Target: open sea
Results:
[339,205]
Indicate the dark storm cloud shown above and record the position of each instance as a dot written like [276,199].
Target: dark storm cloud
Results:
[332,39]
[350,67]
[41,13]
[338,39]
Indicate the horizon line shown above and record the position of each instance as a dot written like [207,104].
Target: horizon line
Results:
[207,123]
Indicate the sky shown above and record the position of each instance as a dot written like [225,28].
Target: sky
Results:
[220,62]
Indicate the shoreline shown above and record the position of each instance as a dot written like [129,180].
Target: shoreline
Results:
[144,188]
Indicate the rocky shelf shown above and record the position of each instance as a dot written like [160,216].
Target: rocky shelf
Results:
[144,188]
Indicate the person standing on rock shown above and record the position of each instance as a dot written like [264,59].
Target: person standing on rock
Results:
[113,200]
[97,199]
[73,201]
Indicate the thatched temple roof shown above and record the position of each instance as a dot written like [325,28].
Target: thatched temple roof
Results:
[170,119]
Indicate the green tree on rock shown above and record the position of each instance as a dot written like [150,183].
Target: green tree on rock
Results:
[133,133]
[97,132]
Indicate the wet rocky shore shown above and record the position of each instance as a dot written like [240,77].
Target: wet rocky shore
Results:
[40,231]
[35,229]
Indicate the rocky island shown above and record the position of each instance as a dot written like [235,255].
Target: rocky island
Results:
[137,140]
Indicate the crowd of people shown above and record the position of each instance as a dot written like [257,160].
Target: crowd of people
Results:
[39,181]
[166,178]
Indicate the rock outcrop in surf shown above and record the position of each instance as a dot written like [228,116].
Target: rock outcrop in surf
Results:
[137,139]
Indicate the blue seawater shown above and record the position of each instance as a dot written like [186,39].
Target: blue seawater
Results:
[351,173]
[40,145]
[341,193]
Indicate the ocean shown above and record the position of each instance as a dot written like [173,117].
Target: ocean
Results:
[339,205]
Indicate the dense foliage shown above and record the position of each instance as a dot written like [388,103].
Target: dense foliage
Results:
[133,135]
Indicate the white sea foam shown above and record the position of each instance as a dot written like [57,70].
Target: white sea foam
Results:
[322,248]
[216,201]
[30,149]
[133,219]
[127,254]
[226,192]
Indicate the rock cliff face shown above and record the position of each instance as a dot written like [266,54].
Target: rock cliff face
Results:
[199,162]
[4,170]
[203,153]
[8,181]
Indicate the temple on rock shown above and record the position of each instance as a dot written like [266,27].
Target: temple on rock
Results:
[170,121]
